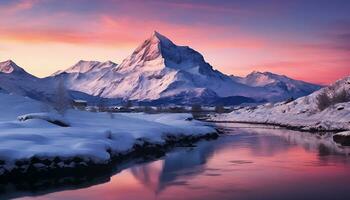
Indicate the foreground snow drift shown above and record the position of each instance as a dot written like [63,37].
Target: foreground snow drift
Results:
[35,143]
[302,113]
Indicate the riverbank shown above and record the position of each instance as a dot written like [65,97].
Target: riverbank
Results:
[34,143]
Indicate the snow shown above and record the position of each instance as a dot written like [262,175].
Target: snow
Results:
[301,113]
[9,67]
[93,137]
[159,69]
[344,133]
[280,86]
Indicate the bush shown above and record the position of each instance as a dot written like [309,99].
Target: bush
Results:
[196,108]
[61,102]
[219,109]
[341,97]
[324,100]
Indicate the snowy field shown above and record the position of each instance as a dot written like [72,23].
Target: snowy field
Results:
[28,129]
[302,113]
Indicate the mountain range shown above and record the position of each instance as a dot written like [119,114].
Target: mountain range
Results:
[157,72]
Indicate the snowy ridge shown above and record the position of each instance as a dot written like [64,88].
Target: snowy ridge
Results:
[9,67]
[278,84]
[303,113]
[14,79]
[90,66]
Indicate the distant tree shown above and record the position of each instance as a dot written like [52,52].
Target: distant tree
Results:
[196,108]
[219,109]
[62,101]
[160,109]
[148,109]
[102,105]
[128,104]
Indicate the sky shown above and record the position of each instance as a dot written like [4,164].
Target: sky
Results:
[307,40]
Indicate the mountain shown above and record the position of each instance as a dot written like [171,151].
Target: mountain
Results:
[327,109]
[14,79]
[162,72]
[88,76]
[157,69]
[280,86]
[157,72]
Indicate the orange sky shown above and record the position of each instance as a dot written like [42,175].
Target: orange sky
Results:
[44,36]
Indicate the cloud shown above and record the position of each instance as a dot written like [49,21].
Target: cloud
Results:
[17,6]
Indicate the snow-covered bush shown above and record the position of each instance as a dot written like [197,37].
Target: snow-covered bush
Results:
[49,117]
[324,100]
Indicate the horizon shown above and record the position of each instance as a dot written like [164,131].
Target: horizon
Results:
[295,39]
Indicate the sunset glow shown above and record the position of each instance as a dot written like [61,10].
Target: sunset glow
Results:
[295,38]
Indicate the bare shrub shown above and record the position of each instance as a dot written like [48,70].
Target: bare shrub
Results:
[128,104]
[149,110]
[341,97]
[196,108]
[220,109]
[324,100]
[62,101]
[102,105]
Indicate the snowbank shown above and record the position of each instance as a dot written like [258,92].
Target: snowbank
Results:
[33,142]
[342,138]
[302,113]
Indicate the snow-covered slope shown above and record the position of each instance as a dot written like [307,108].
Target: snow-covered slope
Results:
[14,79]
[90,77]
[280,86]
[303,113]
[92,137]
[159,70]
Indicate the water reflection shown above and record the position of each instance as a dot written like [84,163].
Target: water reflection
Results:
[246,163]
[182,162]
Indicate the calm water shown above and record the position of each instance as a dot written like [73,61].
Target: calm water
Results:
[245,163]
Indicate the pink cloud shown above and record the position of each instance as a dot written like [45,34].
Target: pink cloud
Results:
[18,6]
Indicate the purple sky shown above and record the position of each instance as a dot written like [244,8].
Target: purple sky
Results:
[308,40]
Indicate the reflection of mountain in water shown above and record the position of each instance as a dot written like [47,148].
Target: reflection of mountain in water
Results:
[183,162]
[276,140]
[322,143]
[180,166]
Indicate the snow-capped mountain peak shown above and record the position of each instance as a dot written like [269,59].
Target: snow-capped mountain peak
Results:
[159,52]
[160,70]
[9,66]
[257,78]
[280,85]
[147,55]
[88,66]
[161,39]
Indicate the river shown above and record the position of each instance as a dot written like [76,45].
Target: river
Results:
[246,162]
